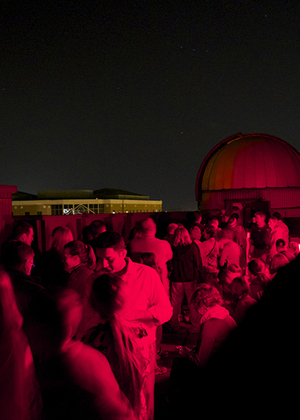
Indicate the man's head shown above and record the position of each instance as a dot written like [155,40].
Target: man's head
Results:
[97,227]
[213,222]
[149,227]
[17,255]
[260,218]
[197,217]
[110,250]
[23,232]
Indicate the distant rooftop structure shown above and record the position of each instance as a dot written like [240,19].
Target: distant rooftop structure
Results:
[104,193]
[66,202]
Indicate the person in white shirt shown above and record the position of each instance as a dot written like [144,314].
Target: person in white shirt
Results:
[146,304]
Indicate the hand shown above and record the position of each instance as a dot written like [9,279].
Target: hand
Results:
[137,315]
[184,351]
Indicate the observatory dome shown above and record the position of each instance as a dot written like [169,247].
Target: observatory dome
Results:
[249,161]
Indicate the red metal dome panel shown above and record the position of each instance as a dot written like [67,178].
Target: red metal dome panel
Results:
[249,161]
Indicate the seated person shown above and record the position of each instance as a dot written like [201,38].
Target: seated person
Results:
[209,252]
[215,326]
[240,290]
[257,277]
[230,251]
[279,260]
[281,247]
[226,277]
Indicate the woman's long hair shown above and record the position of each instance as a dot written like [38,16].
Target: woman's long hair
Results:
[181,237]
[61,235]
[128,362]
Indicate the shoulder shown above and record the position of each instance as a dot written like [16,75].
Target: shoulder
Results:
[88,364]
[140,269]
[212,325]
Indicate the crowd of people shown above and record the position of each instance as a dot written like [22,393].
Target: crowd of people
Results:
[82,323]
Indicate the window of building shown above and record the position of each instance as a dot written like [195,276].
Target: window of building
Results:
[56,209]
[94,208]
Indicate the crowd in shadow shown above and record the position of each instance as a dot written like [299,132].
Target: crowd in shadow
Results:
[82,323]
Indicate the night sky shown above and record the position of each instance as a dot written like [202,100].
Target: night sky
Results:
[134,94]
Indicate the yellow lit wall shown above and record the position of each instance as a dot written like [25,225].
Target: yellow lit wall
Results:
[71,206]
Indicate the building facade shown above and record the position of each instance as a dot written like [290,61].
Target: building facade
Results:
[56,203]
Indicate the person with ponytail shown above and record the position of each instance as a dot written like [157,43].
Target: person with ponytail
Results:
[80,262]
[117,340]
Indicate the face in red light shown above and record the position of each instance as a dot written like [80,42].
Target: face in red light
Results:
[272,224]
[71,261]
[260,220]
[112,260]
[28,265]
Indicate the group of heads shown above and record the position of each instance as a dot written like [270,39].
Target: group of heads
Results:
[17,253]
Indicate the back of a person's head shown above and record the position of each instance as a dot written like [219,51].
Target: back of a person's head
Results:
[61,235]
[277,215]
[197,217]
[195,233]
[256,266]
[279,260]
[97,227]
[206,295]
[171,228]
[182,237]
[14,254]
[20,228]
[149,227]
[109,240]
